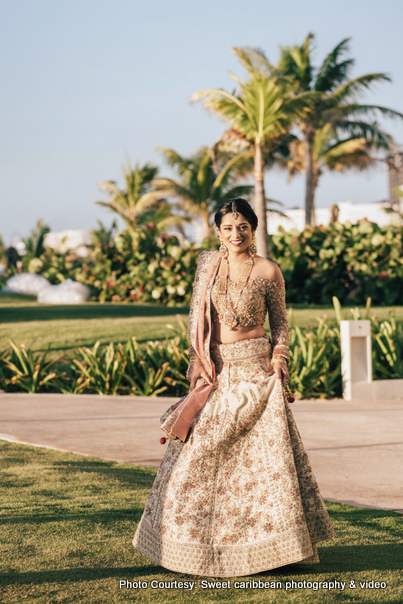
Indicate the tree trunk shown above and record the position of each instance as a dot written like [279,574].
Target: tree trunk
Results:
[260,204]
[315,180]
[308,162]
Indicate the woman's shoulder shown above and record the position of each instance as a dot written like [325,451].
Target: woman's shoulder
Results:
[267,269]
[206,255]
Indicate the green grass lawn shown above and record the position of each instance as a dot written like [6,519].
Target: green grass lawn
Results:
[67,522]
[67,326]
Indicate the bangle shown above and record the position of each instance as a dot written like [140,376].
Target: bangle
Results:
[193,356]
[280,358]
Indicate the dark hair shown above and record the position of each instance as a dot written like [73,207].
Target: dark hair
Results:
[237,205]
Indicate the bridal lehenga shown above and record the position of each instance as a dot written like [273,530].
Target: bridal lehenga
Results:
[235,493]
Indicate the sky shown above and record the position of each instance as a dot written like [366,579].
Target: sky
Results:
[87,84]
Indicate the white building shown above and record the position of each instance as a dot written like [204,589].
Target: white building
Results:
[348,211]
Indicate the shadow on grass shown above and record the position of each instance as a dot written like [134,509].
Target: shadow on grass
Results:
[81,574]
[342,559]
[133,514]
[19,314]
[137,478]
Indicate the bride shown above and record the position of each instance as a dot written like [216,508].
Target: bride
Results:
[235,493]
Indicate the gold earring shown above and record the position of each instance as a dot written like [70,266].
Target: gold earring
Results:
[252,247]
[223,249]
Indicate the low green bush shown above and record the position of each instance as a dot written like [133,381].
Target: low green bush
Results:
[315,365]
[160,367]
[350,261]
[23,370]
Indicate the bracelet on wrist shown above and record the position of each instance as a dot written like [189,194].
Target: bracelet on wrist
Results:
[193,356]
[280,359]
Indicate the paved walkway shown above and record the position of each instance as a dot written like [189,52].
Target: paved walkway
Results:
[356,448]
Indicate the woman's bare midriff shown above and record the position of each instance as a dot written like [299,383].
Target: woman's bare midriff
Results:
[223,334]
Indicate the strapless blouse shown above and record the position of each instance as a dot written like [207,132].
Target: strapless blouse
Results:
[259,297]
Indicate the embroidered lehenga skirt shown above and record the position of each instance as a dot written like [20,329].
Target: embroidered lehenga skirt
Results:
[239,497]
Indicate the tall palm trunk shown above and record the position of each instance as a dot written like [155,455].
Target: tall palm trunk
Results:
[315,180]
[260,204]
[309,189]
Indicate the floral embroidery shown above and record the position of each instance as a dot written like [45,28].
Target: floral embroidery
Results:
[259,297]
[239,496]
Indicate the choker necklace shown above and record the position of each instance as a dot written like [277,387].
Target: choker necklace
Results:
[229,312]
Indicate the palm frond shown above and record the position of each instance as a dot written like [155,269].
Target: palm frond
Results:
[253,59]
[174,160]
[332,72]
[245,191]
[169,186]
[358,110]
[371,131]
[229,167]
[356,87]
[223,103]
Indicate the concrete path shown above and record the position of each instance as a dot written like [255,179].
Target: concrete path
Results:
[356,448]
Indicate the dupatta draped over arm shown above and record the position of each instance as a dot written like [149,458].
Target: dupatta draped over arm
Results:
[179,418]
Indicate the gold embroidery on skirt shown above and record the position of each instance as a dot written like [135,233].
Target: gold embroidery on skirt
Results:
[239,497]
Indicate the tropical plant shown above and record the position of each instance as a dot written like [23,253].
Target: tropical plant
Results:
[138,203]
[144,378]
[102,237]
[350,261]
[101,369]
[35,247]
[27,371]
[388,351]
[201,188]
[34,244]
[3,370]
[259,112]
[3,255]
[315,366]
[331,153]
[174,352]
[333,109]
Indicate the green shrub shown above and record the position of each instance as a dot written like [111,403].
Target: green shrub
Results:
[21,369]
[315,366]
[100,370]
[141,377]
[160,367]
[352,262]
[387,351]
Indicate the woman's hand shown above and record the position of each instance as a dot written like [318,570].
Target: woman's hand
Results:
[281,371]
[196,371]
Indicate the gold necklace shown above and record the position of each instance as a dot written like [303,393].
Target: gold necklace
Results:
[229,317]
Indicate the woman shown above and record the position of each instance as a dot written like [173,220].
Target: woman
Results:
[235,494]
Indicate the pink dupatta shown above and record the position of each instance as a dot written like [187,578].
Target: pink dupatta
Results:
[179,421]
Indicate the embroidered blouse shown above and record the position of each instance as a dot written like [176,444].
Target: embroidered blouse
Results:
[259,297]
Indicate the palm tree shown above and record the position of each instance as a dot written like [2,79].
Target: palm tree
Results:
[261,111]
[202,183]
[138,203]
[331,153]
[334,103]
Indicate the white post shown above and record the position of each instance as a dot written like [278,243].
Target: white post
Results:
[356,359]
